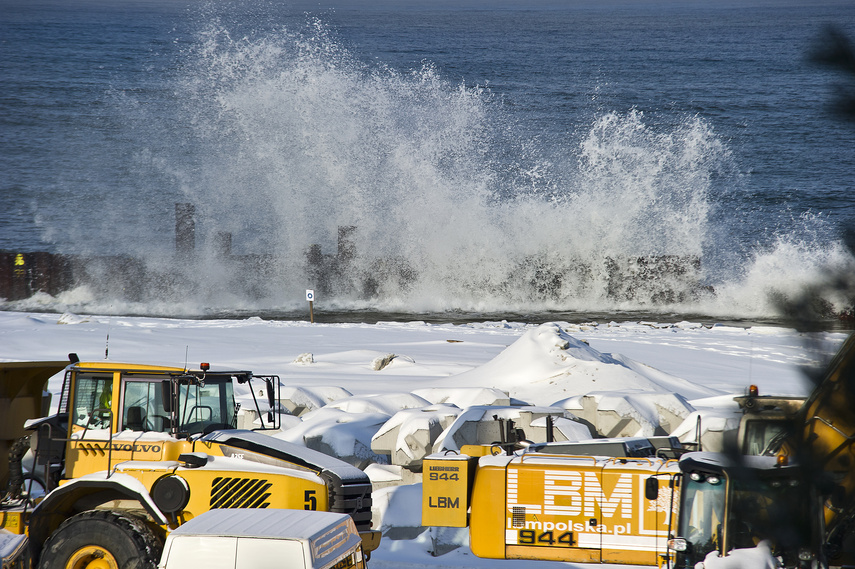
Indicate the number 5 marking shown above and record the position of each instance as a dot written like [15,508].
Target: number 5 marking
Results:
[311,500]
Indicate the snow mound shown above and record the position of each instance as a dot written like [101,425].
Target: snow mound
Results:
[397,511]
[464,396]
[387,403]
[300,400]
[621,414]
[342,434]
[71,318]
[385,475]
[304,359]
[381,362]
[484,425]
[410,434]
[546,362]
[248,418]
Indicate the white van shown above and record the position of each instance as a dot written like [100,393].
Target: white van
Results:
[264,539]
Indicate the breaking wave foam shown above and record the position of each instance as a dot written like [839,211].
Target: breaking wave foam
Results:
[284,136]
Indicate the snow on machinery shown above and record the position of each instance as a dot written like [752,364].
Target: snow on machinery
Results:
[135,451]
[265,539]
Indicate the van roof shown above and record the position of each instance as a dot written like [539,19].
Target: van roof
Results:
[263,523]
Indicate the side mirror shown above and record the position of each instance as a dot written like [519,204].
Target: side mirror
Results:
[271,396]
[651,488]
[271,399]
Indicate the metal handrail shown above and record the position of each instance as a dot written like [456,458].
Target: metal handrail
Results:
[534,455]
[109,412]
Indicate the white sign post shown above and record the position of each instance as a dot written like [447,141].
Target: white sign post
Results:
[310,296]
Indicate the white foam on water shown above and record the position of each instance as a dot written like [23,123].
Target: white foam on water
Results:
[284,136]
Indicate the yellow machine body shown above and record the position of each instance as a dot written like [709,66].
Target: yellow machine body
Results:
[160,441]
[447,480]
[557,507]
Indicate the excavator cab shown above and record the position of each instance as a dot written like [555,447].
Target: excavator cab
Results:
[733,502]
[120,412]
[149,402]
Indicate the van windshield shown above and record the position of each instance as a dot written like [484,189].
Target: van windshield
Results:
[775,510]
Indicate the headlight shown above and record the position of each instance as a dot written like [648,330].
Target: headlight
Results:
[677,544]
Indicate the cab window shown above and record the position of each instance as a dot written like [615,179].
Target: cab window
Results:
[206,406]
[93,400]
[142,406]
[764,437]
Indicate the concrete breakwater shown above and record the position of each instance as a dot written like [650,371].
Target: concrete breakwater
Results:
[347,273]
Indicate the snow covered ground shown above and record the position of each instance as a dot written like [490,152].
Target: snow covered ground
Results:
[383,364]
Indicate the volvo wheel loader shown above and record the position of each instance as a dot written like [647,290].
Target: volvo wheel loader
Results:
[134,451]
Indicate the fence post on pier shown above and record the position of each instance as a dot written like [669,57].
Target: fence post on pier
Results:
[310,296]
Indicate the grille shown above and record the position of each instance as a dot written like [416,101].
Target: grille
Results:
[518,519]
[352,496]
[349,489]
[239,493]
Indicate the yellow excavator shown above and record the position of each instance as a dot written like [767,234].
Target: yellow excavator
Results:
[798,495]
[134,451]
[598,501]
[789,481]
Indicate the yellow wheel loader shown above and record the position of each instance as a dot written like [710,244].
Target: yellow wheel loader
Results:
[134,451]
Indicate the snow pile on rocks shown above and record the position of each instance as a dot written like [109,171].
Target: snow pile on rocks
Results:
[631,414]
[545,376]
[301,400]
[409,435]
[411,382]
[605,395]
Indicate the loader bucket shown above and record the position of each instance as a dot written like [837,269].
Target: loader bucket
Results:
[22,387]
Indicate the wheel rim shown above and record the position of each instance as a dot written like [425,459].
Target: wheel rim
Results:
[92,557]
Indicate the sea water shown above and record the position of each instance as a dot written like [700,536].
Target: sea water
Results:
[493,157]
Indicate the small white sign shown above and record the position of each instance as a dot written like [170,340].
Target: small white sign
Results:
[310,295]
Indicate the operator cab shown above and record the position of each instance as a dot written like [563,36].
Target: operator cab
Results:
[110,412]
[178,404]
[766,421]
[734,502]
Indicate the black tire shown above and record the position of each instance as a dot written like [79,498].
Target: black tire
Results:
[94,537]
